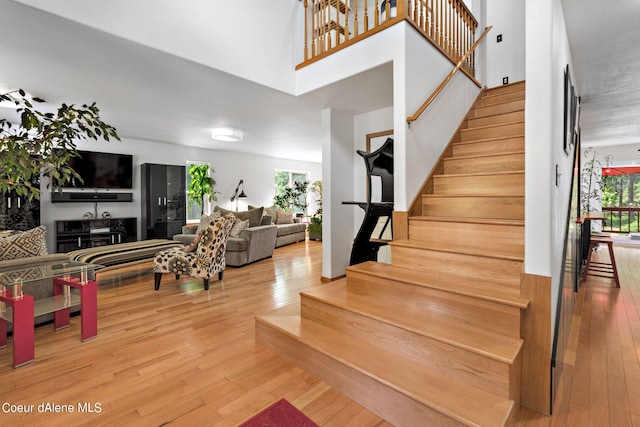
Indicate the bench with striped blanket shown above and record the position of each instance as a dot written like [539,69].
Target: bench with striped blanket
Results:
[122,253]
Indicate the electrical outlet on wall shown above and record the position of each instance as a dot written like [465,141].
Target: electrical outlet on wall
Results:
[505,80]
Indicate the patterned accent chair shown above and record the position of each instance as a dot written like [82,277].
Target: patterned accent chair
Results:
[205,261]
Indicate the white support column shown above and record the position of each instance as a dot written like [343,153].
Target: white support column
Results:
[337,186]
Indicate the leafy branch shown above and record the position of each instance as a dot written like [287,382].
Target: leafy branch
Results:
[43,143]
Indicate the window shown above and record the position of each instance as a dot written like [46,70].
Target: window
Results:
[285,181]
[193,210]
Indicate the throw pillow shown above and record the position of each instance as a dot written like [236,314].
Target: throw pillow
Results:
[23,245]
[193,245]
[254,215]
[272,211]
[205,220]
[238,227]
[284,217]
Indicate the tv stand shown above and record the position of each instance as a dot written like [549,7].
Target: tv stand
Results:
[87,233]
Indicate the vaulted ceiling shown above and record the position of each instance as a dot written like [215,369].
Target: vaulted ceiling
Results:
[152,95]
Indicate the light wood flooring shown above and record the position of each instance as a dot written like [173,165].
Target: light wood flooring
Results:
[183,356]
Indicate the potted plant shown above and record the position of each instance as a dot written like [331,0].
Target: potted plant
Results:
[43,142]
[201,185]
[591,181]
[315,227]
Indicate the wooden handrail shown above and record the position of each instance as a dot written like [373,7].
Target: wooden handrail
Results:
[446,80]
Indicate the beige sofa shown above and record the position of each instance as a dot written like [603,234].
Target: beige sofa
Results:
[252,244]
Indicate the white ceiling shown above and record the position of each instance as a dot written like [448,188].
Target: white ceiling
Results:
[604,38]
[151,95]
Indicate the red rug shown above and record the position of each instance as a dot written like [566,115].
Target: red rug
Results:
[280,414]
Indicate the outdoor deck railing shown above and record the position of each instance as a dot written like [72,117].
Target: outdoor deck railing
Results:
[331,25]
[621,220]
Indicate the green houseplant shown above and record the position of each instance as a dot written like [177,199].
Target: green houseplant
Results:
[43,142]
[315,227]
[201,185]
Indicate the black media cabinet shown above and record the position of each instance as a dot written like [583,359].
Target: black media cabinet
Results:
[87,233]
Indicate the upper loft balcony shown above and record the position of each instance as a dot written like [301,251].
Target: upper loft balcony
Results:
[332,25]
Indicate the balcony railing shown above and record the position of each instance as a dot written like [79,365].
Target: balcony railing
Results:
[331,25]
[621,220]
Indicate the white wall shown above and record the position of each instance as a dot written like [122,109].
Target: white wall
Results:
[546,204]
[507,58]
[421,145]
[337,168]
[256,171]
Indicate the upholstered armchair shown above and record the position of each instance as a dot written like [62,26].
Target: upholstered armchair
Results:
[203,262]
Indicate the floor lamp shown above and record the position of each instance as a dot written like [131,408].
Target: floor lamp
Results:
[237,196]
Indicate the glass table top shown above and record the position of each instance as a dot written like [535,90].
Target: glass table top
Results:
[29,273]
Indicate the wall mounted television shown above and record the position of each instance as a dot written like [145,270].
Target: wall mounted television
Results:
[103,170]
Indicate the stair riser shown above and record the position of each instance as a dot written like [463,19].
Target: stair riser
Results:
[518,86]
[461,309]
[495,146]
[461,365]
[501,272]
[501,98]
[508,238]
[511,129]
[496,119]
[497,163]
[378,398]
[502,184]
[506,107]
[474,207]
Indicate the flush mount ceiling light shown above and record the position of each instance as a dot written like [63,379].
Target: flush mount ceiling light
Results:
[226,134]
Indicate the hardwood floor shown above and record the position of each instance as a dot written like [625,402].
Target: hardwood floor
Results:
[183,356]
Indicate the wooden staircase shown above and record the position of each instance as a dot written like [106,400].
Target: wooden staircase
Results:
[435,337]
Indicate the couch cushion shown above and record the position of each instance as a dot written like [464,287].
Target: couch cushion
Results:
[272,211]
[285,229]
[236,244]
[284,217]
[254,215]
[238,227]
[205,220]
[22,245]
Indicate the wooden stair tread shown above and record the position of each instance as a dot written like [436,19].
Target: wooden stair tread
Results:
[476,141]
[514,222]
[435,325]
[458,248]
[460,286]
[465,404]
[492,126]
[433,196]
[484,156]
[455,175]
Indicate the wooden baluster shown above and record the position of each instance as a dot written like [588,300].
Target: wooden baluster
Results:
[306,30]
[376,17]
[428,5]
[346,21]
[387,10]
[355,18]
[314,29]
[401,10]
[366,16]
[338,4]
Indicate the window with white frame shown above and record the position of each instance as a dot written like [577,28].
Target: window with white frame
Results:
[284,180]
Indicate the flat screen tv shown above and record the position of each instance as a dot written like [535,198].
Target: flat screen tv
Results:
[103,170]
